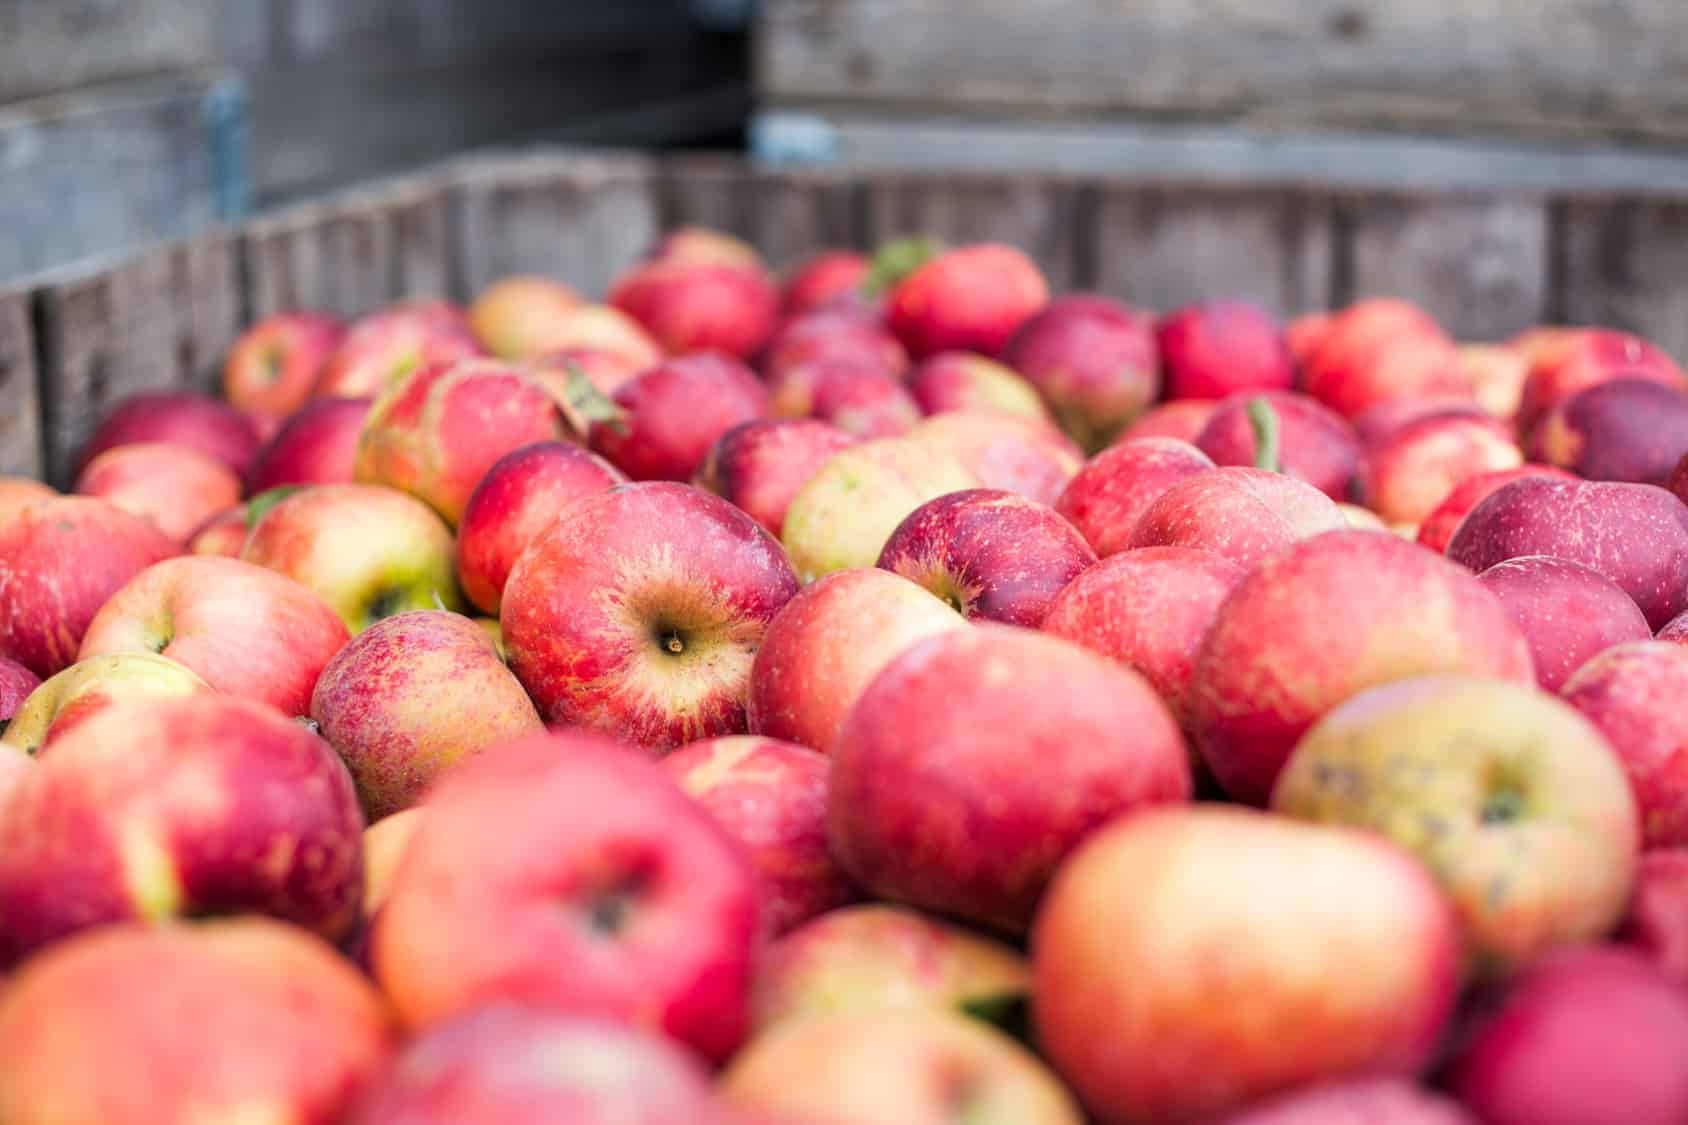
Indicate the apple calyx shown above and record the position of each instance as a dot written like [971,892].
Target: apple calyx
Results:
[259,506]
[895,260]
[583,404]
[1264,420]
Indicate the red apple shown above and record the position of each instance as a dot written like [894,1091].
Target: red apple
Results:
[1305,334]
[1313,444]
[223,534]
[16,684]
[1381,349]
[690,306]
[844,336]
[1215,350]
[823,279]
[1497,374]
[966,381]
[1184,420]
[607,371]
[759,466]
[1567,612]
[188,418]
[18,493]
[1241,513]
[1623,429]
[600,328]
[173,487]
[1633,692]
[1438,528]
[856,396]
[1094,360]
[1019,455]
[973,298]
[67,700]
[274,366]
[1406,476]
[317,445]
[1107,497]
[384,347]
[674,412]
[1658,911]
[1381,422]
[704,245]
[1356,1101]
[1573,360]
[517,317]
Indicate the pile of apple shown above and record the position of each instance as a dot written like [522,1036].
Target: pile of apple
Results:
[890,696]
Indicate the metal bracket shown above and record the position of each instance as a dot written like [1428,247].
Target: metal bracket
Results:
[227,112]
[785,138]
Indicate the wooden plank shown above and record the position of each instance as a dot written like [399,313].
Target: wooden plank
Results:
[1625,265]
[20,421]
[53,45]
[1162,247]
[1478,264]
[787,215]
[1540,67]
[421,240]
[709,190]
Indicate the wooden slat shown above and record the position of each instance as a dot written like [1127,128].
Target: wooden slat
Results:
[1625,264]
[787,215]
[20,421]
[53,45]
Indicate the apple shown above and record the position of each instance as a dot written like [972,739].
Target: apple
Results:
[1305,334]
[1313,443]
[563,870]
[828,643]
[1184,420]
[1215,350]
[316,445]
[17,683]
[825,278]
[515,317]
[639,611]
[173,487]
[1322,621]
[1658,911]
[265,1023]
[601,328]
[67,700]
[274,366]
[1406,476]
[1188,962]
[1497,375]
[1244,514]
[1381,349]
[1019,455]
[171,807]
[1367,520]
[1512,800]
[18,493]
[836,335]
[1567,612]
[367,552]
[1634,534]
[1623,429]
[914,1068]
[188,418]
[692,306]
[992,555]
[842,516]
[1094,360]
[770,796]
[384,347]
[761,465]
[705,246]
[608,371]
[973,298]
[1437,529]
[674,412]
[857,397]
[1360,1101]
[384,845]
[61,559]
[1572,360]
[1632,692]
[968,381]
[517,499]
[967,808]
[223,534]
[1105,498]
[1379,423]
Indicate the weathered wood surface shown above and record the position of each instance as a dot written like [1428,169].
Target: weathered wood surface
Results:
[52,45]
[1624,263]
[787,215]
[20,416]
[1563,67]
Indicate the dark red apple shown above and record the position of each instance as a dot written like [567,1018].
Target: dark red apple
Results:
[760,465]
[1313,443]
[1439,526]
[673,413]
[969,299]
[825,278]
[1095,362]
[1633,693]
[1658,912]
[966,381]
[1566,361]
[1216,350]
[834,335]
[1567,612]
[317,445]
[692,306]
[182,418]
[1113,490]
[1624,429]
[858,397]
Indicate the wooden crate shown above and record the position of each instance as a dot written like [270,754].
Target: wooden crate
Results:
[1486,263]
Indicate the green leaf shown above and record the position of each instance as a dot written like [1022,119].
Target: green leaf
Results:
[895,260]
[584,404]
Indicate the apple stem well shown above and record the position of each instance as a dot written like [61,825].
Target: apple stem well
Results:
[1264,420]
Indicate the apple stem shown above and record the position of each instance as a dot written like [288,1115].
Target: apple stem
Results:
[1265,422]
[259,506]
[895,260]
[582,403]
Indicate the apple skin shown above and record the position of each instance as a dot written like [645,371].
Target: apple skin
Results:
[61,559]
[1184,420]
[1624,429]
[1405,477]
[1538,1059]
[1381,349]
[508,1064]
[992,555]
[367,552]
[1242,513]
[317,445]
[18,493]
[1658,911]
[274,366]
[563,869]
[1340,958]
[1322,621]
[917,811]
[639,612]
[600,328]
[1357,1101]
[1497,374]
[1148,609]
[167,808]
[1315,444]
[515,317]
[838,335]
[1215,350]
[1094,360]
[705,246]
[911,1067]
[1107,497]
[770,796]
[1019,455]
[1573,360]
[223,534]
[859,398]
[1379,423]
[67,700]
[952,381]
[973,298]
[842,516]
[690,306]
[516,500]
[675,411]
[188,418]
[267,1024]
[1567,612]
[606,370]
[1438,528]
[1513,802]
[1305,334]
[824,278]
[409,698]
[16,685]
[173,487]
[1632,693]
[384,347]
[761,465]
[1634,534]
[828,643]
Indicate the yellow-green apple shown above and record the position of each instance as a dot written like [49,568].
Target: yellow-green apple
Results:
[856,396]
[516,317]
[1305,334]
[368,552]
[1380,349]
[1623,429]
[911,1067]
[822,650]
[16,685]
[968,381]
[436,432]
[67,700]
[672,413]
[565,870]
[770,796]
[1513,801]
[841,335]
[875,956]
[992,555]
[639,611]
[1437,529]
[265,1024]
[973,298]
[246,630]
[60,559]
[1407,475]
[606,370]
[823,279]
[168,808]
[384,844]
[1497,374]
[1355,1101]
[1188,962]
[223,534]
[1634,534]
[603,328]
[1572,360]
[1632,693]
[1215,350]
[1591,1035]
[695,306]
[174,487]
[1242,513]
[508,1064]
[1567,612]
[1019,455]
[843,514]
[188,418]
[517,499]
[759,466]
[1094,360]
[916,810]
[274,366]
[1658,911]
[1313,443]
[1322,621]
[18,493]
[1184,420]
[384,347]
[316,445]
[1105,498]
